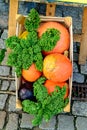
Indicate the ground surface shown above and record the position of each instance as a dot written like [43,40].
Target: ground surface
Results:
[12,119]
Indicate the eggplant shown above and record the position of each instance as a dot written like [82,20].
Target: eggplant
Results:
[26,92]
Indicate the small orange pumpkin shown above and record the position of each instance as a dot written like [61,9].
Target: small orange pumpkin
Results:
[57,67]
[50,86]
[63,43]
[32,74]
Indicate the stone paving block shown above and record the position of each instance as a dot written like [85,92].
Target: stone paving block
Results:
[81,123]
[12,86]
[5,85]
[2,45]
[65,122]
[2,119]
[74,47]
[50,125]
[4,62]
[79,108]
[41,8]
[0,81]
[13,72]
[75,67]
[75,57]
[36,128]
[12,122]
[77,26]
[4,71]
[58,11]
[3,21]
[12,104]
[76,14]
[4,34]
[79,78]
[26,121]
[3,98]
[84,68]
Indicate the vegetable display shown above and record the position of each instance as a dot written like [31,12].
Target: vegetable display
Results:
[27,49]
[46,105]
[38,58]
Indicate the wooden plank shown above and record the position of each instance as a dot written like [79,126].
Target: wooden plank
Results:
[83,46]
[12,17]
[74,2]
[50,9]
[77,37]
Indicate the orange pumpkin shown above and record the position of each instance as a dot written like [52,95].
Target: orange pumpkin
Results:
[31,74]
[50,85]
[57,67]
[63,43]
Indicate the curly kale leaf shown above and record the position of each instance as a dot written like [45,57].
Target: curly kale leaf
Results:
[35,109]
[2,54]
[37,49]
[12,41]
[38,118]
[49,39]
[32,21]
[12,59]
[48,105]
[57,100]
[31,107]
[38,60]
[24,52]
[32,38]
[39,90]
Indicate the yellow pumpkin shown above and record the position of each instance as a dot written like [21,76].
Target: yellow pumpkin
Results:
[24,35]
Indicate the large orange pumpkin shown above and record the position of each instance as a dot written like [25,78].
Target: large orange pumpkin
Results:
[31,74]
[57,67]
[50,85]
[63,43]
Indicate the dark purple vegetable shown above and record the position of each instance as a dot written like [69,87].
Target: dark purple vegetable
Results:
[26,92]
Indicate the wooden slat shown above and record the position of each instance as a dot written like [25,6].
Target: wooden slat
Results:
[58,2]
[12,17]
[83,46]
[50,9]
[77,38]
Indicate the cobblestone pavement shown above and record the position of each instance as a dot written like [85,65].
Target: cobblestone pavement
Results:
[13,119]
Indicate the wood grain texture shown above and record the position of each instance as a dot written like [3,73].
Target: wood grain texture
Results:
[50,9]
[83,46]
[13,8]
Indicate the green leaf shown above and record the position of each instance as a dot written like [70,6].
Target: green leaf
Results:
[49,39]
[12,41]
[30,106]
[32,21]
[38,118]
[2,54]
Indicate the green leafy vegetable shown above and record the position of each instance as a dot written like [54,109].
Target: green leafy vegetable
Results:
[32,21]
[2,54]
[46,105]
[49,39]
[26,51]
[12,42]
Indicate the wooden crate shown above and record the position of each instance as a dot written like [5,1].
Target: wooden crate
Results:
[67,21]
